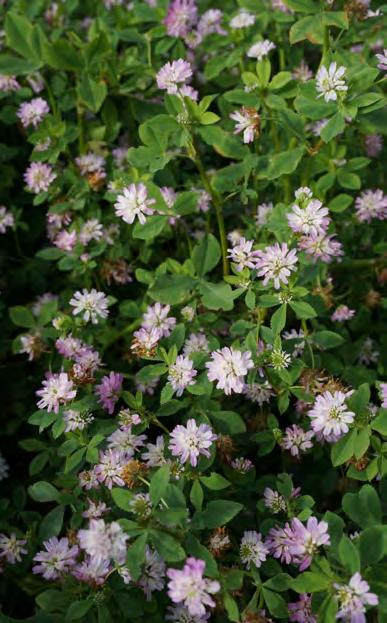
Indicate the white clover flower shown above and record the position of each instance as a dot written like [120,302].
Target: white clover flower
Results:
[92,305]
[330,82]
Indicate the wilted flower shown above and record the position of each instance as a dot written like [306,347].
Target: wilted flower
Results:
[302,72]
[301,610]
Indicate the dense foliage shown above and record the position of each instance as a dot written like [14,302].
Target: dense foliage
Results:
[193,262]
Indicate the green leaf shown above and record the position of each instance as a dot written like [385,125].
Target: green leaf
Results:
[379,423]
[136,555]
[42,491]
[349,555]
[371,546]
[91,93]
[51,524]
[278,319]
[78,609]
[153,226]
[359,400]
[285,162]
[340,203]
[228,422]
[363,507]
[196,549]
[215,482]
[279,80]
[21,316]
[348,180]
[303,310]
[122,497]
[219,512]
[171,289]
[196,495]
[334,127]
[159,483]
[309,28]
[327,339]
[301,6]
[336,18]
[362,442]
[275,603]
[343,449]
[231,607]
[206,255]
[167,546]
[62,55]
[310,582]
[16,66]
[22,37]
[216,295]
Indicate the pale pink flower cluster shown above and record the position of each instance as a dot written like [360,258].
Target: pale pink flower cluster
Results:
[181,374]
[8,84]
[104,542]
[330,415]
[261,49]
[38,177]
[6,219]
[57,560]
[247,121]
[229,367]
[371,204]
[134,203]
[353,598]
[57,390]
[109,390]
[342,313]
[189,587]
[297,543]
[90,304]
[276,263]
[33,112]
[242,254]
[190,441]
[296,440]
[172,77]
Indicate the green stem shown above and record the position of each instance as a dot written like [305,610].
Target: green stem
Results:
[326,44]
[216,200]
